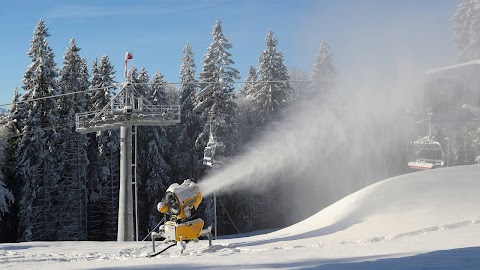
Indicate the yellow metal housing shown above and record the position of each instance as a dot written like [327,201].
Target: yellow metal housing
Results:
[185,231]
[163,209]
[180,197]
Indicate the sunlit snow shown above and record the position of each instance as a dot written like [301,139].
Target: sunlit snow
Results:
[424,220]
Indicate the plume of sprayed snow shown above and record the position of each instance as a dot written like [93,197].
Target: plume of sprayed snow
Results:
[331,146]
[325,150]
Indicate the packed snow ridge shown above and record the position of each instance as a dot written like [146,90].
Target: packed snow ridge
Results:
[425,220]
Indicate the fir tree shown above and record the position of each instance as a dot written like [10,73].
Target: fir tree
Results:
[216,91]
[323,74]
[37,167]
[72,201]
[159,91]
[473,49]
[272,95]
[251,85]
[186,157]
[6,196]
[103,168]
[245,114]
[466,27]
[12,129]
[153,146]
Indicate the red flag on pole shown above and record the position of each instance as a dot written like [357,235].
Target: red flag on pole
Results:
[128,56]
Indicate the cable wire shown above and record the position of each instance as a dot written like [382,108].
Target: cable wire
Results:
[165,83]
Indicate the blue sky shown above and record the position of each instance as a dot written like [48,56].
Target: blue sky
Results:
[376,33]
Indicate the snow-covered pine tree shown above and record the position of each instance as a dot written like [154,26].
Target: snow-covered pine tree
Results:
[217,88]
[12,128]
[186,158]
[144,137]
[156,150]
[38,168]
[158,95]
[461,28]
[323,73]
[271,97]
[132,75]
[250,86]
[72,148]
[473,49]
[6,195]
[157,169]
[245,114]
[103,154]
[466,30]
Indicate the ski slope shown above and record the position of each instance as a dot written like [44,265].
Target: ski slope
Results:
[424,220]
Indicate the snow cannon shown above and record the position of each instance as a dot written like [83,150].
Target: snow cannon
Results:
[181,224]
[180,200]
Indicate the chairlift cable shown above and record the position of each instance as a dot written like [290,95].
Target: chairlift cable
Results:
[166,83]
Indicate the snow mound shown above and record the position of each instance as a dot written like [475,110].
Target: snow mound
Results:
[400,206]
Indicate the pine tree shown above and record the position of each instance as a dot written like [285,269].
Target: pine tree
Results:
[159,91]
[466,27]
[245,114]
[250,86]
[6,195]
[153,146]
[272,96]
[159,146]
[144,136]
[323,74]
[473,49]
[157,179]
[216,92]
[12,129]
[103,154]
[37,167]
[186,157]
[72,193]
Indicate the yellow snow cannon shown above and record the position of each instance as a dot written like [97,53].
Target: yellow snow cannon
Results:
[181,200]
[179,206]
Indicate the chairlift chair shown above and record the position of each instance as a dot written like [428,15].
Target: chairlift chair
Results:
[210,149]
[428,152]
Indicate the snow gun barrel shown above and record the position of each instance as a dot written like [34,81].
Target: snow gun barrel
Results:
[181,200]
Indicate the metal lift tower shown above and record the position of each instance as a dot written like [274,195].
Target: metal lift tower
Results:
[127,109]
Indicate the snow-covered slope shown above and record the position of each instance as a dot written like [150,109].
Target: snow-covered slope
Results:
[426,220]
[400,206]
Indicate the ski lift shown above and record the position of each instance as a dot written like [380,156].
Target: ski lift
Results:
[213,144]
[209,152]
[429,153]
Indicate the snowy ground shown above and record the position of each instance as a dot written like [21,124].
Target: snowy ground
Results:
[426,220]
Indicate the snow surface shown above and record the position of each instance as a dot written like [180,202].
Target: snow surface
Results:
[424,220]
